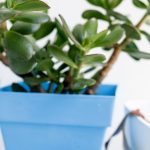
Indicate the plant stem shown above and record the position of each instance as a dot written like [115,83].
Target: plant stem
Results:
[102,74]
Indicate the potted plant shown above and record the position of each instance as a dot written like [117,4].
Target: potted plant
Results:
[54,108]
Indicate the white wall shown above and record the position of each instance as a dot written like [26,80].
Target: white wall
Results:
[132,77]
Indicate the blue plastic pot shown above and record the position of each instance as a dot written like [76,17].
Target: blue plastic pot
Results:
[32,121]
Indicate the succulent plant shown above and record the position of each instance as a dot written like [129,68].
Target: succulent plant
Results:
[67,57]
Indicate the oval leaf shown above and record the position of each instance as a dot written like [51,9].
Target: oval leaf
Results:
[31,5]
[18,46]
[89,14]
[44,30]
[20,66]
[139,4]
[33,17]
[60,55]
[131,32]
[24,27]
[93,59]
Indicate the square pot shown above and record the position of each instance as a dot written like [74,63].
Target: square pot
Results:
[36,121]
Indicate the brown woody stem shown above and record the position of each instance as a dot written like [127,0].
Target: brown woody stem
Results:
[101,75]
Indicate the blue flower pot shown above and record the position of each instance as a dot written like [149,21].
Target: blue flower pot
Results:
[33,121]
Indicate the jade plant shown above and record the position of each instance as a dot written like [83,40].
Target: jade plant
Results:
[66,58]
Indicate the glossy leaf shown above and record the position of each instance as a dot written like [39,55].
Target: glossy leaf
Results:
[78,32]
[139,4]
[113,3]
[44,30]
[96,40]
[90,28]
[112,38]
[146,34]
[6,14]
[33,17]
[134,52]
[69,33]
[93,59]
[17,46]
[100,3]
[119,16]
[24,27]
[89,14]
[31,5]
[21,66]
[131,32]
[82,83]
[60,55]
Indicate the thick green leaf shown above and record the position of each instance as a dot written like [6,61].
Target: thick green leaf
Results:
[31,5]
[112,38]
[96,40]
[32,81]
[119,16]
[139,4]
[69,33]
[6,14]
[24,27]
[17,46]
[78,33]
[46,65]
[93,59]
[82,83]
[100,3]
[89,14]
[33,17]
[90,28]
[9,3]
[147,35]
[113,3]
[131,32]
[60,55]
[135,53]
[20,66]
[45,29]
[18,88]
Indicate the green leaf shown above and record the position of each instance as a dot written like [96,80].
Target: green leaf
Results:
[6,14]
[9,3]
[93,59]
[24,27]
[82,83]
[147,35]
[78,33]
[112,38]
[96,40]
[69,33]
[90,28]
[17,46]
[20,66]
[119,16]
[131,32]
[31,5]
[89,14]
[33,17]
[114,3]
[32,81]
[135,53]
[44,30]
[139,4]
[61,56]
[18,88]
[100,3]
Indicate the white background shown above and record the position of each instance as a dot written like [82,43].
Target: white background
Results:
[133,78]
